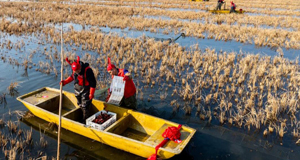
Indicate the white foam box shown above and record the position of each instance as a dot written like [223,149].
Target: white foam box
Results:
[107,123]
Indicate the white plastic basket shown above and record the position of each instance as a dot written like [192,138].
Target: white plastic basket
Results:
[107,123]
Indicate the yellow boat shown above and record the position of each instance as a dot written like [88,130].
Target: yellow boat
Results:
[92,149]
[226,11]
[133,132]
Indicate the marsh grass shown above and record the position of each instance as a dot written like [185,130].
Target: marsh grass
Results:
[17,143]
[242,32]
[12,89]
[43,142]
[12,127]
[3,99]
[28,137]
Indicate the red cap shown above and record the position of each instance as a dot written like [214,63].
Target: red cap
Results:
[75,65]
[110,66]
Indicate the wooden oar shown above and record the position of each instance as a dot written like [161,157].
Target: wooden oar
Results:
[61,87]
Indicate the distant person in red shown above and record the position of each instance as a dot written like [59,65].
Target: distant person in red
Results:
[220,2]
[84,85]
[129,99]
[233,6]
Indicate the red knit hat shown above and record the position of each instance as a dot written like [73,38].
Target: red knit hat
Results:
[110,66]
[75,65]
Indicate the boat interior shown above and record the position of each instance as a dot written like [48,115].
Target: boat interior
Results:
[130,124]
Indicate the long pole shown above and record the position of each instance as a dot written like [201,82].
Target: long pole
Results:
[61,87]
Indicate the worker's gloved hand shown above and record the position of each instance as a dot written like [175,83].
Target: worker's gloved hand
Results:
[92,92]
[126,78]
[63,83]
[68,80]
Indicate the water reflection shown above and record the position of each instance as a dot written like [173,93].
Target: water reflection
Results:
[25,74]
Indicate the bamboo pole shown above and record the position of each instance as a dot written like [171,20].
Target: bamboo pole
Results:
[61,87]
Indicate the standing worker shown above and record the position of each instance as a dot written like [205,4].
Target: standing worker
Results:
[233,6]
[84,85]
[129,99]
[220,2]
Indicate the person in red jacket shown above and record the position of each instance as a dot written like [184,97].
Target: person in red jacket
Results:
[233,6]
[84,85]
[129,99]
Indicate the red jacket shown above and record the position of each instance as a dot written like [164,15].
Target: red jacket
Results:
[233,5]
[86,74]
[129,89]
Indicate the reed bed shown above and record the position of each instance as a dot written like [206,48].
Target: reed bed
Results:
[17,143]
[244,30]
[249,91]
[121,11]
[292,5]
[243,90]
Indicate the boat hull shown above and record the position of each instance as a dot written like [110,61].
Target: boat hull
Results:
[149,128]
